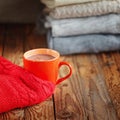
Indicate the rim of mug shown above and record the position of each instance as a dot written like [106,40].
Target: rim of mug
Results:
[47,49]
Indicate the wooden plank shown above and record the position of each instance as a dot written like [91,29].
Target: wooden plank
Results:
[69,104]
[116,56]
[40,111]
[87,91]
[17,114]
[109,103]
[111,68]
[13,51]
[44,110]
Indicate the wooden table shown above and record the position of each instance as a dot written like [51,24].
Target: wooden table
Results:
[91,93]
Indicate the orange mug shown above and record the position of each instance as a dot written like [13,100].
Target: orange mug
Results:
[45,64]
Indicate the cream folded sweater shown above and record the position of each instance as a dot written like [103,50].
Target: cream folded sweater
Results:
[56,3]
[87,9]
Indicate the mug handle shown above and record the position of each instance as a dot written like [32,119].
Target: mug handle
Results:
[68,75]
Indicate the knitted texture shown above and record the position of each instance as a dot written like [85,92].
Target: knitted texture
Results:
[56,3]
[88,9]
[89,25]
[19,88]
[93,43]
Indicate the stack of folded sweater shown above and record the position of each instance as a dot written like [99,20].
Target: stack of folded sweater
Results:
[83,26]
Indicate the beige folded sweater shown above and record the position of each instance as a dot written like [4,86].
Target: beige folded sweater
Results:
[56,3]
[87,9]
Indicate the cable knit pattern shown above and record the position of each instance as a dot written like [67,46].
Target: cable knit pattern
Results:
[88,9]
[19,88]
[89,25]
[56,3]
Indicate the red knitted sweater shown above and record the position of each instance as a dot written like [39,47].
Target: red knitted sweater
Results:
[20,88]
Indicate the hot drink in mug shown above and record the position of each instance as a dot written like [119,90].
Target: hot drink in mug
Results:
[45,63]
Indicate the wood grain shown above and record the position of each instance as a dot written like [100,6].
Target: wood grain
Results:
[17,114]
[85,93]
[68,97]
[96,97]
[104,92]
[40,111]
[111,69]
